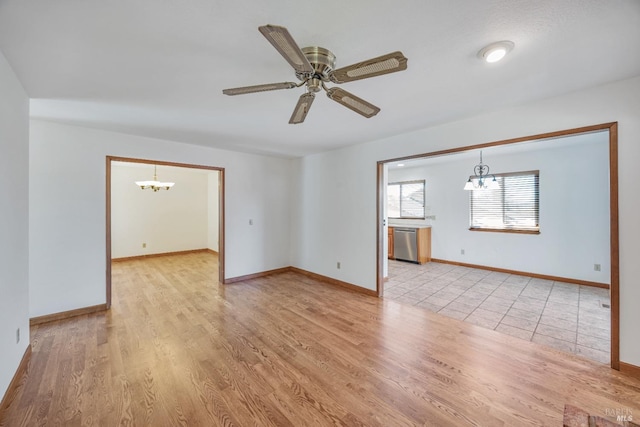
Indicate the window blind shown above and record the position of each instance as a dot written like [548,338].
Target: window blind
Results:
[513,206]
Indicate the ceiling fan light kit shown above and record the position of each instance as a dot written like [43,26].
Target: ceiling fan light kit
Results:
[314,66]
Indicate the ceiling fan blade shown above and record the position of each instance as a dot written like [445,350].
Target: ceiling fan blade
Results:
[385,64]
[352,102]
[302,108]
[259,88]
[280,38]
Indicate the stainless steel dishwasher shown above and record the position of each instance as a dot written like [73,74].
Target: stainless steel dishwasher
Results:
[405,244]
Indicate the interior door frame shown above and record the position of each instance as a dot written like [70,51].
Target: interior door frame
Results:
[221,210]
[614,289]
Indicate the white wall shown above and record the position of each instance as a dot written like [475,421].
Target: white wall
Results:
[164,221]
[14,225]
[335,199]
[213,211]
[67,246]
[574,209]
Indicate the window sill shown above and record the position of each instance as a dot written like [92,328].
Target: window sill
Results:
[418,218]
[495,230]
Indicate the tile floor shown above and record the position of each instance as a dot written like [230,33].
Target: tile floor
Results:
[565,316]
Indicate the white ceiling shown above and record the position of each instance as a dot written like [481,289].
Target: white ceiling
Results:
[157,68]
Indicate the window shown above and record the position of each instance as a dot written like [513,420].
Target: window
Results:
[406,199]
[512,207]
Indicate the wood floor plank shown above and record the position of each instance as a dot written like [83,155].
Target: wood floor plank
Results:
[178,348]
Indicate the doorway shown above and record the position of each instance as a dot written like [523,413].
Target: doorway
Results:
[216,237]
[611,131]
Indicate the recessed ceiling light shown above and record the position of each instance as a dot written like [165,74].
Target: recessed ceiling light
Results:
[495,51]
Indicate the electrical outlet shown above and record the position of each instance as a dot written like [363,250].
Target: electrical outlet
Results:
[461,251]
[18,336]
[144,245]
[338,265]
[596,267]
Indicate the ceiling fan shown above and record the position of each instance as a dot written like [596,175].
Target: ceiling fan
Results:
[314,66]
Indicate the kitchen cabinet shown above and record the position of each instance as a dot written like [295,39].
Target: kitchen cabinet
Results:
[390,242]
[424,245]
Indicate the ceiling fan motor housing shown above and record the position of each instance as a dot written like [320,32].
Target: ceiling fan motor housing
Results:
[322,60]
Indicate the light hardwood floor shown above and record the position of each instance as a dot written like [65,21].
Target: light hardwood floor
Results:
[177,348]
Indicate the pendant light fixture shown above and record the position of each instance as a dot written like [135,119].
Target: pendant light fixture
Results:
[482,177]
[154,185]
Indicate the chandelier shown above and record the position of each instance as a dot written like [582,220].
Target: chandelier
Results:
[154,185]
[482,178]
